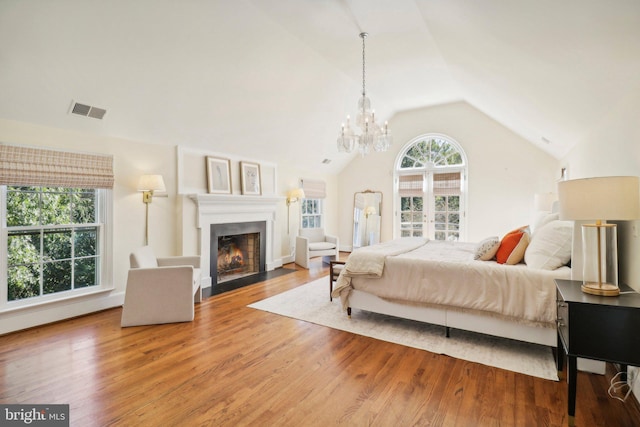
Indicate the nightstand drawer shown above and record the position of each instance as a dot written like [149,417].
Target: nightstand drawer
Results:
[563,321]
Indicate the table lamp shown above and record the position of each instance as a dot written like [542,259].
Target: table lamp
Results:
[612,198]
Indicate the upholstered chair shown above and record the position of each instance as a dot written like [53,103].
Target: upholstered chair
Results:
[160,290]
[312,242]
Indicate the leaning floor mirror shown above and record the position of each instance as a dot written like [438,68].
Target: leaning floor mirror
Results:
[366,218]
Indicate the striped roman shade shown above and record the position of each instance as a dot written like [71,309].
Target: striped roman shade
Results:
[314,188]
[446,184]
[26,166]
[411,185]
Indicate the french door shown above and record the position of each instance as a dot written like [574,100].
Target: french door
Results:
[430,205]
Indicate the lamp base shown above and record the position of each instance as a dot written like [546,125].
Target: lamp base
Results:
[601,289]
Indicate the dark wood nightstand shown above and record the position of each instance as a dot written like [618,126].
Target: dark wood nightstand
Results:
[595,327]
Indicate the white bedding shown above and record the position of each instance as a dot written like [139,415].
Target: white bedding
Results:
[445,273]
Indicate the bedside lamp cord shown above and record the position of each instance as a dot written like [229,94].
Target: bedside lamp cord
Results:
[618,385]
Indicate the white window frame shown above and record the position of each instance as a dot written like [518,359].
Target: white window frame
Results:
[319,214]
[428,195]
[104,222]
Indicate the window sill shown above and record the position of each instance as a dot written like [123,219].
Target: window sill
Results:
[19,306]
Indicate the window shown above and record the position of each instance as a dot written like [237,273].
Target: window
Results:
[52,240]
[55,224]
[311,211]
[311,208]
[430,184]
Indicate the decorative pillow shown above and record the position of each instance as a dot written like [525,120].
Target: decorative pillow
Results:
[550,247]
[513,246]
[545,219]
[487,249]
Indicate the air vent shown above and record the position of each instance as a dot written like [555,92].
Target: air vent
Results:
[88,110]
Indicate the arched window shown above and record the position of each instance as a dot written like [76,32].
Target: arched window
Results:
[430,189]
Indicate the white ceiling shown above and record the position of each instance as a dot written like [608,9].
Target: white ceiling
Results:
[272,80]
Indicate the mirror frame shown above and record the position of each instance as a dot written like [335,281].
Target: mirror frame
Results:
[372,221]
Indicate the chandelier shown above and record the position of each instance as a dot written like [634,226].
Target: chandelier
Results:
[372,136]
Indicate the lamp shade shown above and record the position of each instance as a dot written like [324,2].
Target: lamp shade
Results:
[295,194]
[151,183]
[604,198]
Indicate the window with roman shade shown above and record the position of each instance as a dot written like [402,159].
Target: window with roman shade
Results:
[56,224]
[311,208]
[429,197]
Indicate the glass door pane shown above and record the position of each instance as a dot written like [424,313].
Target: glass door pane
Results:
[412,216]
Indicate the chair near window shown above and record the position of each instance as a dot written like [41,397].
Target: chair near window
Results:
[313,242]
[160,290]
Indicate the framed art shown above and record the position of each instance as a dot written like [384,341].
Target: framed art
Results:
[218,175]
[250,177]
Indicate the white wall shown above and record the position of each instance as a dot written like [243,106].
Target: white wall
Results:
[505,171]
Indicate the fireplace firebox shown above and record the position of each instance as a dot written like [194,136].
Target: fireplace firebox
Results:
[237,250]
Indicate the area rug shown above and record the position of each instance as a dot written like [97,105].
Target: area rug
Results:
[310,303]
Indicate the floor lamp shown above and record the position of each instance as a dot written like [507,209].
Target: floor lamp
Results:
[613,198]
[148,184]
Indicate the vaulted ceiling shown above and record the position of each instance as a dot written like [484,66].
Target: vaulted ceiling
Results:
[273,79]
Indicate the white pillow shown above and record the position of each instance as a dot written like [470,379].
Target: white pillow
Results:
[545,219]
[487,248]
[550,246]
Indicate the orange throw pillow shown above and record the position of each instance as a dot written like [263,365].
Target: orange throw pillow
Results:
[513,247]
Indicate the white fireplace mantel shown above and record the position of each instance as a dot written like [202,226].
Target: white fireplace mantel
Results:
[226,209]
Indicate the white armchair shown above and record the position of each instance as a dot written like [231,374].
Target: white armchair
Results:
[160,290]
[312,242]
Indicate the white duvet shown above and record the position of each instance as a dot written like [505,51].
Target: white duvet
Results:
[445,273]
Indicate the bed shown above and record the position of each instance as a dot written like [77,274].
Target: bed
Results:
[461,285]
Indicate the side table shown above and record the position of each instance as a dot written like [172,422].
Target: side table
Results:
[595,327]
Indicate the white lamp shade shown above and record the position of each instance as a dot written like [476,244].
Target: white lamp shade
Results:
[151,183]
[604,198]
[295,194]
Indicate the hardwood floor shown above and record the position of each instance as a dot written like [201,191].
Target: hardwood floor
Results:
[238,366]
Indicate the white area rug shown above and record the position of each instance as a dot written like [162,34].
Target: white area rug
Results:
[310,302]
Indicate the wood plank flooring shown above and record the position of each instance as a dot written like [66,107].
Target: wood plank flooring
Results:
[236,366]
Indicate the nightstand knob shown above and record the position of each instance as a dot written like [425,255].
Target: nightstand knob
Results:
[560,324]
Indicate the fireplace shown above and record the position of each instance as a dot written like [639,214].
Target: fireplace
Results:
[237,250]
[215,210]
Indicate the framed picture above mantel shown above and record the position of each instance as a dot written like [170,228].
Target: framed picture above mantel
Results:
[218,175]
[250,179]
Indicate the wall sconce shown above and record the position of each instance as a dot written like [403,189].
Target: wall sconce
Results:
[148,184]
[292,197]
